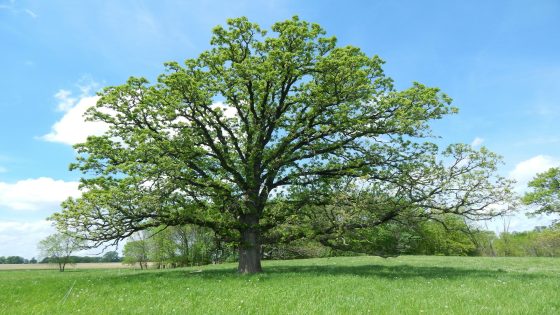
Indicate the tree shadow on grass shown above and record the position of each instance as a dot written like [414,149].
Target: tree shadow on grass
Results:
[391,272]
[372,271]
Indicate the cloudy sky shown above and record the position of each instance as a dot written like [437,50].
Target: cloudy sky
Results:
[498,60]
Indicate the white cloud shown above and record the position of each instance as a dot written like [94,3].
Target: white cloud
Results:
[526,170]
[477,142]
[72,128]
[42,193]
[21,238]
[65,101]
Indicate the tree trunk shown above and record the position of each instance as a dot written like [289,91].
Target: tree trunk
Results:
[249,247]
[249,253]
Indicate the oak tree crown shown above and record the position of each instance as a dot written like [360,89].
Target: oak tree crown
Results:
[262,117]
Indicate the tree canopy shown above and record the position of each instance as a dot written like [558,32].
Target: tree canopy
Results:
[262,119]
[58,248]
[545,192]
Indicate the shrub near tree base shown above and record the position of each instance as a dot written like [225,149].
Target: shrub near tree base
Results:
[261,118]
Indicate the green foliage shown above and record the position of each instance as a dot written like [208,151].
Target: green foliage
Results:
[541,242]
[302,248]
[12,260]
[484,241]
[545,192]
[75,260]
[58,248]
[341,285]
[382,219]
[136,252]
[178,246]
[256,118]
[111,256]
[449,237]
[195,245]
[162,249]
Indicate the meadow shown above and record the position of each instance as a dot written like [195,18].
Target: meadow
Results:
[68,266]
[342,285]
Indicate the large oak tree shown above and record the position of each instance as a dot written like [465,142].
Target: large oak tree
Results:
[260,118]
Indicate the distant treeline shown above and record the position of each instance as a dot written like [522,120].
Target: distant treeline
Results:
[432,238]
[541,242]
[191,245]
[17,260]
[451,236]
[111,256]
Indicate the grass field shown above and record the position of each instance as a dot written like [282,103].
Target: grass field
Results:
[345,285]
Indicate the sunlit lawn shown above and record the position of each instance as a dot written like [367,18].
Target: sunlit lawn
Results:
[345,285]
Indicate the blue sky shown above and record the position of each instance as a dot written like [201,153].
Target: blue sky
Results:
[498,60]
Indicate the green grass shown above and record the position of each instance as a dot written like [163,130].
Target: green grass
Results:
[345,285]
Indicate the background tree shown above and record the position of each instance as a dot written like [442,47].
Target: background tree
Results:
[542,242]
[218,139]
[136,250]
[386,217]
[450,237]
[58,248]
[111,256]
[162,249]
[545,192]
[484,242]
[548,241]
[12,260]
[178,246]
